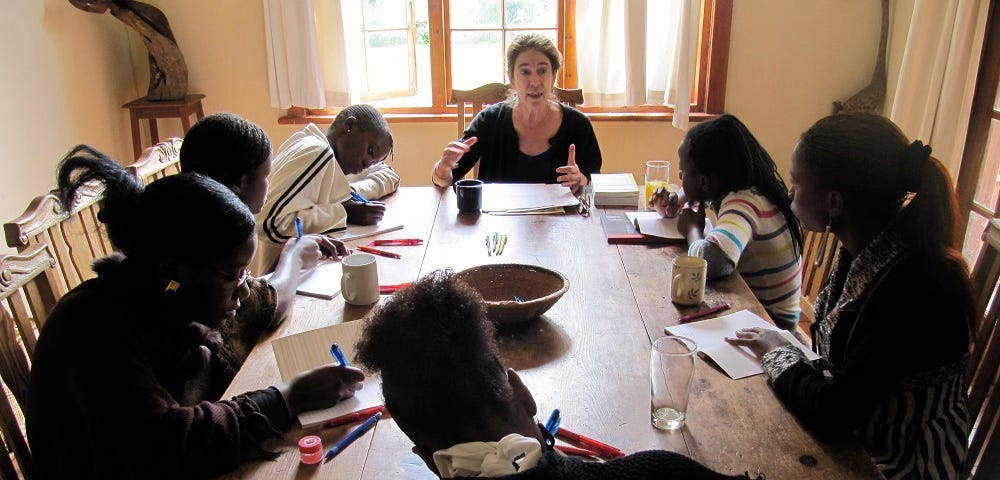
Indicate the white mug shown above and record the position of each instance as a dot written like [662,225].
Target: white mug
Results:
[687,286]
[359,285]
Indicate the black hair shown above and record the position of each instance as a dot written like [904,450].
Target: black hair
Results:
[188,216]
[369,118]
[433,343]
[225,147]
[724,149]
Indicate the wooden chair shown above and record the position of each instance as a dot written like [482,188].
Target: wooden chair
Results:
[158,161]
[983,461]
[26,298]
[497,92]
[814,277]
[75,236]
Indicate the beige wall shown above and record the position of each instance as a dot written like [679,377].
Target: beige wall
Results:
[70,72]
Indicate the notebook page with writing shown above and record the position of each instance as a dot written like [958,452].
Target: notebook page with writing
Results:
[737,362]
[307,350]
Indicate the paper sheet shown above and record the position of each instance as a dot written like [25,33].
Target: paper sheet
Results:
[321,281]
[307,350]
[521,198]
[737,362]
[651,223]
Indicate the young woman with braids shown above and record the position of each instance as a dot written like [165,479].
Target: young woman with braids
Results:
[724,167]
[124,384]
[466,414]
[893,321]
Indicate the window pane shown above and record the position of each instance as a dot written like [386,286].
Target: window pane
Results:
[385,14]
[389,62]
[511,35]
[422,95]
[532,13]
[475,14]
[989,178]
[476,58]
[974,238]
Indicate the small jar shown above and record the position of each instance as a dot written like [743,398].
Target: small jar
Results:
[310,449]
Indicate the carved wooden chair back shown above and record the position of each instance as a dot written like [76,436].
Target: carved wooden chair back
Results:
[26,298]
[814,276]
[158,161]
[490,93]
[75,235]
[983,461]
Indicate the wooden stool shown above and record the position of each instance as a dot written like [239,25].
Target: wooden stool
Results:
[143,108]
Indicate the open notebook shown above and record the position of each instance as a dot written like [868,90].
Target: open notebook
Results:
[307,350]
[526,199]
[737,362]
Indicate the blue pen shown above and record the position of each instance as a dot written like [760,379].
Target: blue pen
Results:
[357,197]
[298,227]
[553,423]
[351,437]
[338,355]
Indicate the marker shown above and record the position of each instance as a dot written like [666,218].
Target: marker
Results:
[338,355]
[356,416]
[357,197]
[553,422]
[375,251]
[397,241]
[703,313]
[578,452]
[351,437]
[389,289]
[298,227]
[601,448]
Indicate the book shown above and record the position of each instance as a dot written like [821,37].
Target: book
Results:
[307,350]
[737,362]
[615,189]
[620,230]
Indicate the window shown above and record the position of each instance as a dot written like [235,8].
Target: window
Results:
[417,51]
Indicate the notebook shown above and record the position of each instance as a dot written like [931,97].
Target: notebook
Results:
[737,362]
[307,350]
[506,198]
[321,281]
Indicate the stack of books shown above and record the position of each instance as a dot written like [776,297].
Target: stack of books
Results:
[615,189]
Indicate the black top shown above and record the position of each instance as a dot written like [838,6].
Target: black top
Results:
[651,464]
[501,161]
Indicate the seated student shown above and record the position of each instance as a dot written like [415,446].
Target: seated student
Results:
[308,179]
[531,138]
[724,167]
[466,414]
[893,322]
[237,153]
[122,385]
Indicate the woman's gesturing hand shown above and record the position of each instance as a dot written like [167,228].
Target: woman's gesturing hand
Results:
[571,176]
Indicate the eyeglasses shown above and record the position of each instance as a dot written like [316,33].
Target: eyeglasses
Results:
[239,279]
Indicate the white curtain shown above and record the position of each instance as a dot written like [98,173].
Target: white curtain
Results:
[937,74]
[636,52]
[309,43]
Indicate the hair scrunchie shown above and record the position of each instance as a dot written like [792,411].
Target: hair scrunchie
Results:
[912,165]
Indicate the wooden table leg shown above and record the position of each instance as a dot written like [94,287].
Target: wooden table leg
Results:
[154,134]
[136,138]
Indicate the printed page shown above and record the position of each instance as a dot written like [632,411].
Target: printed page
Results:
[512,198]
[307,350]
[737,362]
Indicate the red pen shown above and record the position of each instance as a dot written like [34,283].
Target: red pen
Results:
[387,289]
[703,313]
[396,241]
[579,452]
[603,449]
[376,251]
[355,417]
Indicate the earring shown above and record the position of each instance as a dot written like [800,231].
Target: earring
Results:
[822,245]
[172,287]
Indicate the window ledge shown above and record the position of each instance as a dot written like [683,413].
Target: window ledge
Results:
[445,117]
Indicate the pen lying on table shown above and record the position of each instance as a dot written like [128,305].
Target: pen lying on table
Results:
[396,241]
[387,289]
[375,251]
[602,449]
[356,416]
[351,437]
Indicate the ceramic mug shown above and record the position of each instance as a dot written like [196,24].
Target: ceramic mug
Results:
[359,285]
[470,195]
[687,286]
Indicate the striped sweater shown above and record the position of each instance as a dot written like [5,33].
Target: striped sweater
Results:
[752,232]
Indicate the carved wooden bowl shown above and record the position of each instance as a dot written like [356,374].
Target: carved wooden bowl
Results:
[515,293]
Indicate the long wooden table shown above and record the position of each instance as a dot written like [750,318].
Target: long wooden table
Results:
[587,356]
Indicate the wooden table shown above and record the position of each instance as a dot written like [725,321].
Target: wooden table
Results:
[150,110]
[588,356]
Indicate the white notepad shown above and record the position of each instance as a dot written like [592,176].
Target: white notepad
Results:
[737,362]
[651,223]
[307,350]
[321,281]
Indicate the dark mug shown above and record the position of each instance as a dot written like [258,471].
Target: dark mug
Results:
[470,195]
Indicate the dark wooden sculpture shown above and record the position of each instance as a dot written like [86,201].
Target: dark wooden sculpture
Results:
[168,74]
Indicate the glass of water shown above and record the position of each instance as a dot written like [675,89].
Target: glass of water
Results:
[671,372]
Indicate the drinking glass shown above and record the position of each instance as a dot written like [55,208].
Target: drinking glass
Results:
[657,175]
[671,372]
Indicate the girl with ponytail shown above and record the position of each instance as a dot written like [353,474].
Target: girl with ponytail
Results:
[125,363]
[893,319]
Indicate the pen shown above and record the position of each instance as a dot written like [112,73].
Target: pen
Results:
[703,313]
[396,241]
[357,197]
[351,437]
[387,289]
[489,249]
[298,227]
[376,251]
[579,452]
[356,416]
[503,243]
[601,448]
[338,355]
[553,422]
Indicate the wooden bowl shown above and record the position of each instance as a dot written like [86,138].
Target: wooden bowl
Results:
[538,288]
